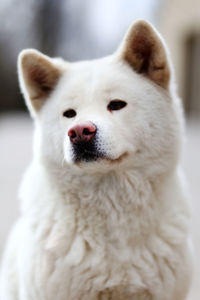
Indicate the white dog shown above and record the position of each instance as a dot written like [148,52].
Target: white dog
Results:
[103,207]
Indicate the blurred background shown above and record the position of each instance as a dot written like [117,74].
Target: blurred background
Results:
[75,30]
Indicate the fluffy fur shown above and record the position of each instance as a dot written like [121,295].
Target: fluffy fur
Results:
[116,227]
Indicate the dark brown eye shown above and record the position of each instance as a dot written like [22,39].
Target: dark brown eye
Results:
[116,105]
[70,113]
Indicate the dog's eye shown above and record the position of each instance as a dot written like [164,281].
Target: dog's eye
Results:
[70,113]
[116,105]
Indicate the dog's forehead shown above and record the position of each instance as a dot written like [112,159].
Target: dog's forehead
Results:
[97,73]
[103,76]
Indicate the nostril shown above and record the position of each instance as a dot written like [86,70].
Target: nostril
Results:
[72,134]
[86,131]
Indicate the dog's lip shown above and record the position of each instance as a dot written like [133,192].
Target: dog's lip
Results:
[118,159]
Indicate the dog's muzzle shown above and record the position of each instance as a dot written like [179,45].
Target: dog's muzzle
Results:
[83,138]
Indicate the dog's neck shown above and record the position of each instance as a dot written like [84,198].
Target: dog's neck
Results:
[99,203]
[126,186]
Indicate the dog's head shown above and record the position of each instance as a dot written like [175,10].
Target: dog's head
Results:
[117,111]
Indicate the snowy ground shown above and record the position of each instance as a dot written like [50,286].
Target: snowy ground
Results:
[15,153]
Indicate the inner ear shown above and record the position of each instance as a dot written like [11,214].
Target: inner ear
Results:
[145,51]
[43,79]
[38,76]
[139,54]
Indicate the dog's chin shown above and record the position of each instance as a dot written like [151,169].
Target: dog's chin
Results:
[87,157]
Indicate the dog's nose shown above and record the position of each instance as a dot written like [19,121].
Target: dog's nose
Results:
[83,132]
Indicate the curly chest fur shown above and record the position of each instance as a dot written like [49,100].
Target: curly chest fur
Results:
[102,244]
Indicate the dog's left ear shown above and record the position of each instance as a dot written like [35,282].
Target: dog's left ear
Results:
[144,50]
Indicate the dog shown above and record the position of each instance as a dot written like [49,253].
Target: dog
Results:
[104,211]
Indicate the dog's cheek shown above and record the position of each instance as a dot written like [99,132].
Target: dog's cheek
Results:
[50,141]
[106,145]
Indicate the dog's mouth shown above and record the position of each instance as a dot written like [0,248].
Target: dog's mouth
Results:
[86,152]
[89,152]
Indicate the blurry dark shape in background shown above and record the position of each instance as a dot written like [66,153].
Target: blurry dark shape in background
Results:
[192,74]
[48,24]
[32,25]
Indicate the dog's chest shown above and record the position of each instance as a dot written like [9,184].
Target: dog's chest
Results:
[83,272]
[79,265]
[94,247]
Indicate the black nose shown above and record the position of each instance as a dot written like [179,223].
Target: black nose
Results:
[83,132]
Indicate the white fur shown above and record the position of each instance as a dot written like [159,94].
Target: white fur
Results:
[110,229]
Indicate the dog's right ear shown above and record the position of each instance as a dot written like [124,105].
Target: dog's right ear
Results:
[38,76]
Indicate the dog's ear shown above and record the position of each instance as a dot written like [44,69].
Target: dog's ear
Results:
[144,50]
[38,76]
